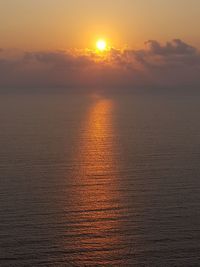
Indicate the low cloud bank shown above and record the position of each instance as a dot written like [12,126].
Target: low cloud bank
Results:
[172,65]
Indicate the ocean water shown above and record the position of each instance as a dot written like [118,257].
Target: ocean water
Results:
[100,180]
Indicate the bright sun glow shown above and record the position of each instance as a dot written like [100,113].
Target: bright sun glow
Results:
[101,45]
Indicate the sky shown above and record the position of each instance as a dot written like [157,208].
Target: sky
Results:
[60,24]
[51,44]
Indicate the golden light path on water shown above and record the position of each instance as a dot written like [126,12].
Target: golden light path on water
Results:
[96,195]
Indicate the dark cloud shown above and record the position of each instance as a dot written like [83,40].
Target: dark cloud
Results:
[172,65]
[176,47]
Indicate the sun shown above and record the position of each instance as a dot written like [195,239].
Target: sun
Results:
[101,45]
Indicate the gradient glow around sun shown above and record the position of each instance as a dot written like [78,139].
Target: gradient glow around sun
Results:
[101,45]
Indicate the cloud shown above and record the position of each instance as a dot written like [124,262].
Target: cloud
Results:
[176,47]
[174,65]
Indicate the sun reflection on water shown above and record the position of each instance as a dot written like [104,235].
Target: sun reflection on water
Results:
[95,198]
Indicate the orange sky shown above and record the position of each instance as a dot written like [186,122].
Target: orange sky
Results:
[61,24]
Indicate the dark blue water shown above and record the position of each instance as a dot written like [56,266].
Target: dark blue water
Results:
[96,180]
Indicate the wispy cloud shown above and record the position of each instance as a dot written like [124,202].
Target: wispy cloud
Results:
[172,65]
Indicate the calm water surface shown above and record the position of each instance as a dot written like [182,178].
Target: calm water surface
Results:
[99,180]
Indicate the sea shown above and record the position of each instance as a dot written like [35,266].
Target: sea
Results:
[100,179]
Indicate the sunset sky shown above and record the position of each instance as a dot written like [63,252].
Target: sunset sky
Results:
[51,43]
[60,24]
